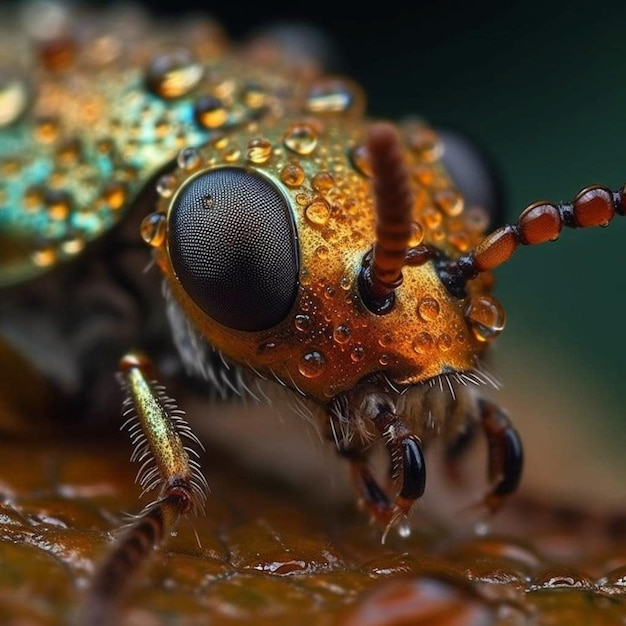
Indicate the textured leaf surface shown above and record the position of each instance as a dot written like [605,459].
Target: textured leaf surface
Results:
[267,554]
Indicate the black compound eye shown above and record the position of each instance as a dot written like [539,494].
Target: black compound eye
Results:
[233,245]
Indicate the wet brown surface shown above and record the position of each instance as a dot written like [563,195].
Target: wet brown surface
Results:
[268,554]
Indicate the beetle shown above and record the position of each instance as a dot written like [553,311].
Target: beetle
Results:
[342,264]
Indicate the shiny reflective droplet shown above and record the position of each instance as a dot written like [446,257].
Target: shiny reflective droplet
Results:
[385,340]
[423,140]
[345,283]
[254,95]
[173,74]
[188,159]
[318,212]
[323,181]
[210,112]
[417,234]
[73,246]
[329,292]
[259,150]
[334,95]
[232,154]
[44,257]
[153,229]
[428,309]
[384,359]
[312,364]
[432,218]
[321,252]
[485,317]
[33,198]
[46,130]
[302,322]
[357,353]
[267,347]
[114,194]
[166,185]
[292,175]
[449,201]
[361,160]
[342,333]
[404,530]
[423,343]
[58,204]
[301,138]
[14,97]
[444,342]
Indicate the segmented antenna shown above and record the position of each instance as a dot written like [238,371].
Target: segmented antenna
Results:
[538,222]
[157,429]
[382,271]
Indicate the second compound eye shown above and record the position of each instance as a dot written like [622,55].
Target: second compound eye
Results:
[233,246]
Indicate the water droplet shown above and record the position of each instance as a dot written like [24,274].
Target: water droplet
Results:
[342,333]
[232,154]
[432,217]
[428,309]
[254,95]
[259,150]
[301,138]
[449,201]
[334,95]
[385,340]
[68,152]
[292,175]
[423,343]
[329,292]
[153,229]
[166,185]
[357,354]
[14,97]
[267,347]
[318,212]
[345,283]
[114,194]
[312,364]
[485,317]
[188,159]
[303,323]
[321,252]
[384,359]
[58,204]
[46,129]
[323,181]
[73,245]
[173,74]
[210,112]
[444,343]
[44,257]
[404,530]
[417,234]
[361,160]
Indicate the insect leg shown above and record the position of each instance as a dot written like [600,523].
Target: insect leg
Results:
[506,455]
[408,467]
[157,430]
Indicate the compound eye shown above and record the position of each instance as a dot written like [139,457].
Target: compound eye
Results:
[233,246]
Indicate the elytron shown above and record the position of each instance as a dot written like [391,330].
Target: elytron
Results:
[165,192]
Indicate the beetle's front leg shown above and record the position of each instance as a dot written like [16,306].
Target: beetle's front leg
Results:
[505,454]
[408,467]
[408,470]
